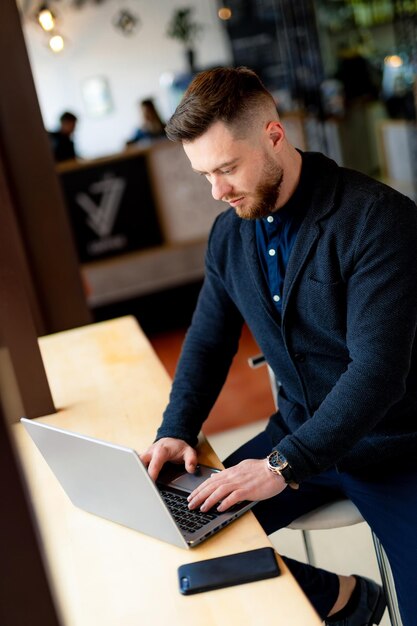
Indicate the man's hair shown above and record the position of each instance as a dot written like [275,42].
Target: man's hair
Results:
[67,116]
[229,95]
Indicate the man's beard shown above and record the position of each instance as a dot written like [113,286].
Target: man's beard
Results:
[266,193]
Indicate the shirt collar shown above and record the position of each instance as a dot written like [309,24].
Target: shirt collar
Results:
[298,199]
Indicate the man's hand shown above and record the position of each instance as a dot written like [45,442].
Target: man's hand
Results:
[168,449]
[249,480]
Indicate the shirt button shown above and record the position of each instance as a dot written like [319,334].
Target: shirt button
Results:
[271,252]
[270,219]
[276,298]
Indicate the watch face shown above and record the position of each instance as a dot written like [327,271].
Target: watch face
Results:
[278,460]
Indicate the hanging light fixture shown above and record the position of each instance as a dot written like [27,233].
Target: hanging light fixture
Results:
[56,43]
[46,18]
[224,13]
[394,60]
[126,21]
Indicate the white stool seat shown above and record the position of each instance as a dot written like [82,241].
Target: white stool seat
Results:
[334,515]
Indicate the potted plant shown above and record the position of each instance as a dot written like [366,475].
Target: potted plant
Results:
[183,28]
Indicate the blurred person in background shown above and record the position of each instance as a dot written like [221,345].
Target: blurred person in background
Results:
[152,126]
[61,139]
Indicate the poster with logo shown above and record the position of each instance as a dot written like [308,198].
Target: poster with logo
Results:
[110,206]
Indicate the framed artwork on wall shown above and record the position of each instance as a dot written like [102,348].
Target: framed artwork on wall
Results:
[96,96]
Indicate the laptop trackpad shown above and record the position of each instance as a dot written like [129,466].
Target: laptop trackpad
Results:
[177,476]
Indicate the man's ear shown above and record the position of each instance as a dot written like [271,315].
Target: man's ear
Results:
[276,134]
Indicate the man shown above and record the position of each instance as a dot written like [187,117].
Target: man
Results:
[321,263]
[61,139]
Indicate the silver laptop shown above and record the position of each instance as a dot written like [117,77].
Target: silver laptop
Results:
[111,481]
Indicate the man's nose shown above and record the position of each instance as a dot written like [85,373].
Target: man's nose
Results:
[220,188]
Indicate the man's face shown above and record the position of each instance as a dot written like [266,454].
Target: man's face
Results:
[242,172]
[67,127]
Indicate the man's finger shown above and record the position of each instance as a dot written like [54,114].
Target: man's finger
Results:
[231,500]
[145,457]
[195,499]
[159,457]
[216,497]
[210,496]
[190,460]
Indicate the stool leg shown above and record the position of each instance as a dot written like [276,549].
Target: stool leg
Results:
[308,547]
[387,582]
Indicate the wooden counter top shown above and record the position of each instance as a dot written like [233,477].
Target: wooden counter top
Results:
[107,382]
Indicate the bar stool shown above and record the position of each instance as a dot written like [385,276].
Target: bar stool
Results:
[339,514]
[334,515]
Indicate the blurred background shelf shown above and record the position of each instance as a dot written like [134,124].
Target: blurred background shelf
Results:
[143,272]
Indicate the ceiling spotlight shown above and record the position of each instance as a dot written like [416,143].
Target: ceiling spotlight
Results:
[393,61]
[46,18]
[56,43]
[126,21]
[224,13]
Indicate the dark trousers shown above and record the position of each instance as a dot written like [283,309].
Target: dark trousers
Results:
[387,502]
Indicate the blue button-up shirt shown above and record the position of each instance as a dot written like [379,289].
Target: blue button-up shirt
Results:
[275,237]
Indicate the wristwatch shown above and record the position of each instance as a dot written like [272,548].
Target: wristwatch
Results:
[278,464]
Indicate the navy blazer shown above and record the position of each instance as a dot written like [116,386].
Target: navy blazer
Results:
[344,350]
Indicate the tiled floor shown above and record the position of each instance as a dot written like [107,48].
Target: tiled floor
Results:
[240,412]
[246,396]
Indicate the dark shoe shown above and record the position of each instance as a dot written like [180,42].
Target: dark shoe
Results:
[370,608]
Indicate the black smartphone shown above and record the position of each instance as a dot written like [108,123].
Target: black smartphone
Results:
[225,571]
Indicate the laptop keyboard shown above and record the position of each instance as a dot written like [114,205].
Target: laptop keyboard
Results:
[187,520]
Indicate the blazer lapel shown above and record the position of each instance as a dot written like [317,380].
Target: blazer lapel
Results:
[307,235]
[324,172]
[248,235]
